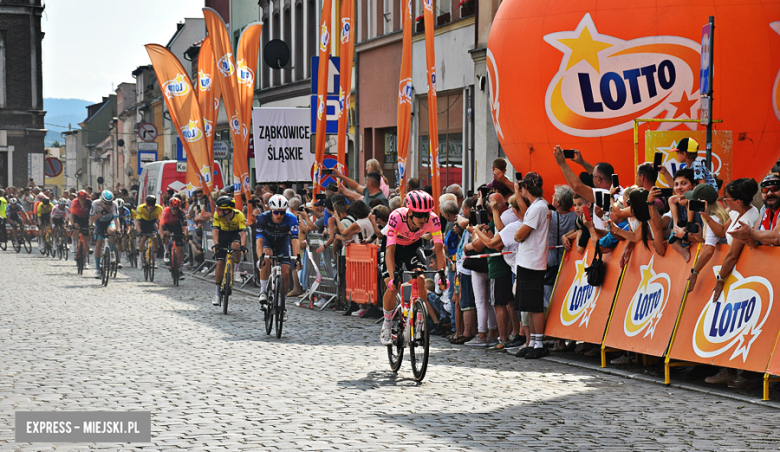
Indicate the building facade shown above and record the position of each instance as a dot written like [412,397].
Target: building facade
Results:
[22,129]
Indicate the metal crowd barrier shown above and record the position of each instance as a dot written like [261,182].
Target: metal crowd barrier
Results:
[325,267]
[247,263]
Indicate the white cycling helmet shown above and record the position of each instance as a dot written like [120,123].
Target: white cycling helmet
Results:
[62,202]
[277,203]
[106,196]
[120,203]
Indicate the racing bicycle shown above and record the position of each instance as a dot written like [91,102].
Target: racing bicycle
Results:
[3,235]
[149,257]
[274,311]
[226,287]
[410,327]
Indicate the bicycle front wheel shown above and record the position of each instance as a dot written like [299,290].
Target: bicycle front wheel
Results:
[17,240]
[419,340]
[175,266]
[279,299]
[145,264]
[27,242]
[270,311]
[152,258]
[105,266]
[395,351]
[81,257]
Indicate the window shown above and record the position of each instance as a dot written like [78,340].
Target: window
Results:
[276,25]
[313,38]
[2,70]
[288,39]
[299,41]
[266,70]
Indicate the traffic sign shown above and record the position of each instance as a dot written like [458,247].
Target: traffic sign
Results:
[52,167]
[705,73]
[221,149]
[333,75]
[147,131]
[332,112]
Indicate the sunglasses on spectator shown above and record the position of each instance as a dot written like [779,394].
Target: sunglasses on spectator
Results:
[772,188]
[421,215]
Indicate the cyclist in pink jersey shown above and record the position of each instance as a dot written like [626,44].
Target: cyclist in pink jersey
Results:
[405,229]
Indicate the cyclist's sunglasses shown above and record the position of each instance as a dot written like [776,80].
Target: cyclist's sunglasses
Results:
[772,188]
[421,215]
[225,209]
[278,212]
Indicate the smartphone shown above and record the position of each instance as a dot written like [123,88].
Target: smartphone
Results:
[484,191]
[599,198]
[667,192]
[586,214]
[482,217]
[302,192]
[658,159]
[470,193]
[615,180]
[301,209]
[518,176]
[327,172]
[321,196]
[472,217]
[568,153]
[695,205]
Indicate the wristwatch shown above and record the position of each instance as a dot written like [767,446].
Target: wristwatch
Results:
[719,278]
[694,272]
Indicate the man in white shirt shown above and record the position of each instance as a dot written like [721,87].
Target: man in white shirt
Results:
[531,263]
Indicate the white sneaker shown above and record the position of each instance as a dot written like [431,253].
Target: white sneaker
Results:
[237,277]
[97,273]
[166,257]
[215,301]
[284,316]
[263,299]
[386,337]
[321,302]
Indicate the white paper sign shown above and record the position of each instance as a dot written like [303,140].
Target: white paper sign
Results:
[283,151]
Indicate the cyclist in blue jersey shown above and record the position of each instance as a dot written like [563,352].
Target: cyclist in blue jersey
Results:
[14,212]
[277,233]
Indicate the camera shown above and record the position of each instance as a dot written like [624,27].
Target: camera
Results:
[301,209]
[568,154]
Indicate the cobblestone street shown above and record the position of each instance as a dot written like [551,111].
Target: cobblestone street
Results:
[216,382]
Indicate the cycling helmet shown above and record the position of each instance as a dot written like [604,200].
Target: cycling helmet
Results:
[45,201]
[277,202]
[151,199]
[62,202]
[13,201]
[174,203]
[83,194]
[106,196]
[419,201]
[120,203]
[226,201]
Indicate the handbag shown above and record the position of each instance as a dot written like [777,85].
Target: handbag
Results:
[476,265]
[596,270]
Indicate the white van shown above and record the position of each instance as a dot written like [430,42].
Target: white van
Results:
[157,177]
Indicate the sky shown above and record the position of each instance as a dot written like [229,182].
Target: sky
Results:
[91,44]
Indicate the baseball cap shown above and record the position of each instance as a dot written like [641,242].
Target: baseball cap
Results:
[703,192]
[687,145]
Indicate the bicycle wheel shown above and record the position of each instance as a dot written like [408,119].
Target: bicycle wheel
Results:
[279,299]
[114,261]
[80,257]
[227,282]
[151,264]
[395,351]
[27,242]
[270,309]
[65,250]
[105,266]
[175,265]
[41,244]
[17,240]
[145,264]
[419,341]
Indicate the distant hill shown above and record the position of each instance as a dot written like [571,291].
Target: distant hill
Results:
[60,113]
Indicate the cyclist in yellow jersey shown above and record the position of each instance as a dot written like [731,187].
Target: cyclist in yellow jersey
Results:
[146,217]
[228,229]
[3,207]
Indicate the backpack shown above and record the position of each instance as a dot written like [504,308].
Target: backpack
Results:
[596,270]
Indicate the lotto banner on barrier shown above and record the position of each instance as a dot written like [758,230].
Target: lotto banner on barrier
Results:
[648,302]
[579,311]
[740,329]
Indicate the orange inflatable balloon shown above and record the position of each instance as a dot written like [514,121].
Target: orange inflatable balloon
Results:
[577,74]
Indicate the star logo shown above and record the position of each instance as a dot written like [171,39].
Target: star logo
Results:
[684,105]
[584,47]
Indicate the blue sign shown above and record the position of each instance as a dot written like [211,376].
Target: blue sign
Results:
[705,71]
[332,111]
[329,163]
[334,81]
[181,156]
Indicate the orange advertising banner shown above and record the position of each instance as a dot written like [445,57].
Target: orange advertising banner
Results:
[228,85]
[740,329]
[648,302]
[665,141]
[248,51]
[404,114]
[185,112]
[433,110]
[579,311]
[346,52]
[322,92]
[208,93]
